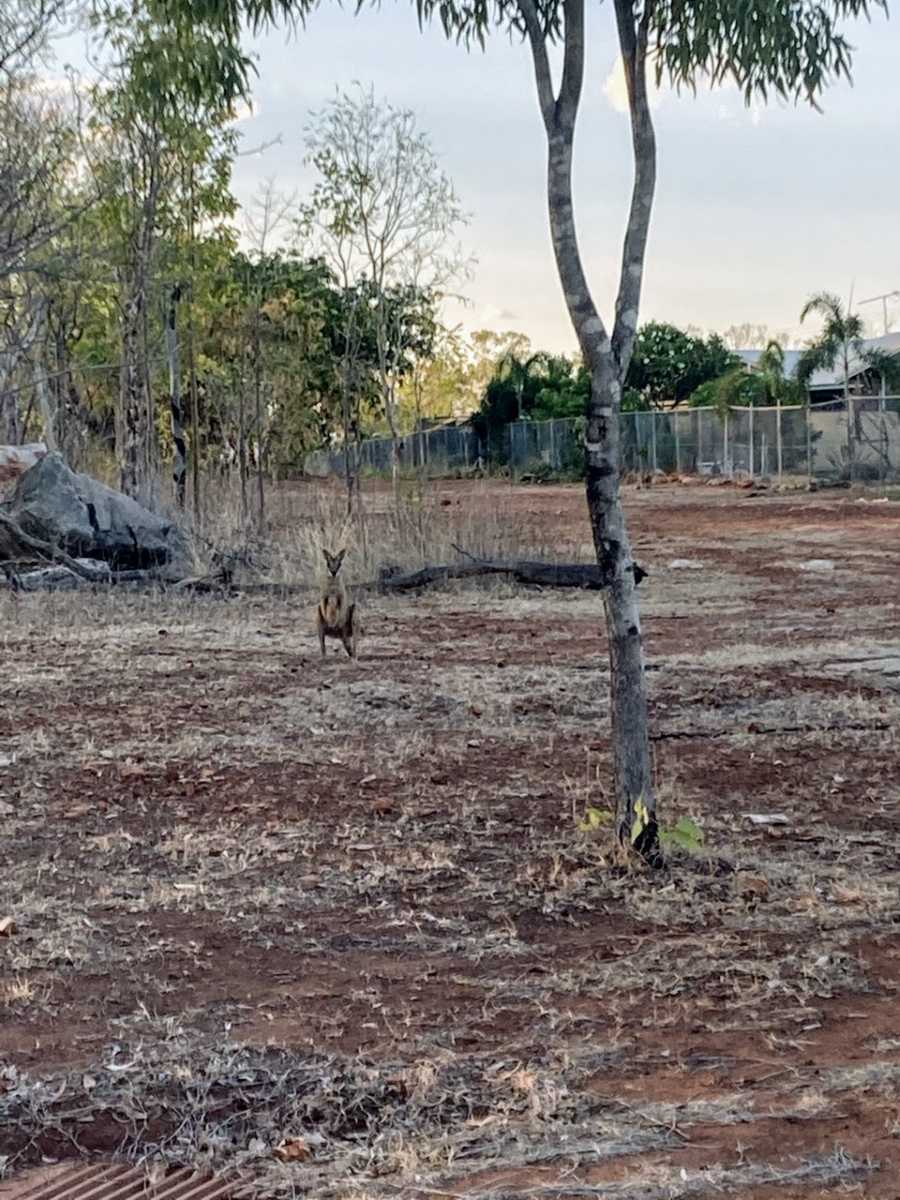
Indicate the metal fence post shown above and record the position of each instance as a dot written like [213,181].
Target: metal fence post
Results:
[726,465]
[751,441]
[809,470]
[778,443]
[701,417]
[653,441]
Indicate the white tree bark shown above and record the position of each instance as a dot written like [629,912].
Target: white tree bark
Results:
[607,360]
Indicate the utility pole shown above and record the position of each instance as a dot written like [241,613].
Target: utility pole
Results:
[884,297]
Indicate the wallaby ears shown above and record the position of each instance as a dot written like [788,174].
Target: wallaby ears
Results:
[334,560]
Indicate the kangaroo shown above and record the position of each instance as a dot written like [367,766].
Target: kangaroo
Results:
[335,615]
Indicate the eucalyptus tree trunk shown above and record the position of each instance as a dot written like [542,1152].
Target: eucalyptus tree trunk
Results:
[350,332]
[14,350]
[67,401]
[395,450]
[133,432]
[10,423]
[258,420]
[385,335]
[243,468]
[607,358]
[45,406]
[349,474]
[390,408]
[179,454]
[192,362]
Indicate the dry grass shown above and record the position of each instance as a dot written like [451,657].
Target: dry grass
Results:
[259,897]
[428,527]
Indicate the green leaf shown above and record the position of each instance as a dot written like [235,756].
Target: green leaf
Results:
[595,818]
[685,834]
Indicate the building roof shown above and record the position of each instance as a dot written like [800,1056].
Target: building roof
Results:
[752,357]
[826,380]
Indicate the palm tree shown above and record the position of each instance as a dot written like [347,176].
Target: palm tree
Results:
[770,367]
[840,340]
[841,337]
[518,372]
[763,383]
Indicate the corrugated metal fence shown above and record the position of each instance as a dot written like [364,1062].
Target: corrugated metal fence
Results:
[819,441]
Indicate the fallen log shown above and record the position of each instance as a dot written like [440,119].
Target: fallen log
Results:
[20,540]
[392,579]
[74,574]
[95,575]
[532,574]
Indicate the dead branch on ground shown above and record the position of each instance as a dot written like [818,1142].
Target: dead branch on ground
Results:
[45,549]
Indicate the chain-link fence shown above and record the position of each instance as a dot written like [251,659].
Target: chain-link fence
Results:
[859,441]
[554,445]
[820,441]
[439,451]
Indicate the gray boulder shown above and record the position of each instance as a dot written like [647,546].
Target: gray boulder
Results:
[87,519]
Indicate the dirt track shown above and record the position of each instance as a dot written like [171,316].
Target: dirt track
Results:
[260,897]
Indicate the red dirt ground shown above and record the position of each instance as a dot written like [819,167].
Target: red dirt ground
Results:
[214,838]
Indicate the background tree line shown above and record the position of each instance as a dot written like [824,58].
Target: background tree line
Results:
[148,327]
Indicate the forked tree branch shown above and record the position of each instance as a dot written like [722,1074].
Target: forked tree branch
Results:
[542,74]
[633,39]
[559,121]
[573,62]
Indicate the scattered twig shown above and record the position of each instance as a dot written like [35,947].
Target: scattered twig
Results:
[767,730]
[668,1126]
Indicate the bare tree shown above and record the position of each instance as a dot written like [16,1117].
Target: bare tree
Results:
[747,336]
[36,147]
[385,213]
[24,28]
[135,432]
[267,221]
[22,321]
[35,134]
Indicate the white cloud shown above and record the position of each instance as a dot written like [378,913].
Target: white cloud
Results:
[616,90]
[616,94]
[490,316]
[739,114]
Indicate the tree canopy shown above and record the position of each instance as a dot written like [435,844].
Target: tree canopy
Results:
[668,364]
[790,50]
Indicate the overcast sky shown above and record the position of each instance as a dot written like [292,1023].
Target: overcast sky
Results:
[754,209]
